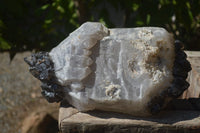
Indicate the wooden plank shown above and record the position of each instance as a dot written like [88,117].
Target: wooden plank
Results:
[100,122]
[194,76]
[193,53]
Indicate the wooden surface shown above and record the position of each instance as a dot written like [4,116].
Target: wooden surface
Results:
[194,76]
[171,121]
[72,121]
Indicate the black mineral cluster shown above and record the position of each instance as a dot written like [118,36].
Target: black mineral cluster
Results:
[180,72]
[179,85]
[42,68]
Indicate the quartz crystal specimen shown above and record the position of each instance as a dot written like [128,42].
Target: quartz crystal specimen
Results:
[128,70]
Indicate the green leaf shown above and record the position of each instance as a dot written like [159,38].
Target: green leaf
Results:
[135,7]
[188,5]
[190,15]
[139,23]
[101,20]
[44,7]
[71,4]
[174,2]
[4,45]
[60,9]
[48,21]
[148,19]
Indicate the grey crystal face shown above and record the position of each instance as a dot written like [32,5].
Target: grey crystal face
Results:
[124,70]
[127,66]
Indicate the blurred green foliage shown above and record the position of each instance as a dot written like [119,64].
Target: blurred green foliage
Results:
[42,24]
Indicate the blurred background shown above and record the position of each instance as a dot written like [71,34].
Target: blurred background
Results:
[42,24]
[39,25]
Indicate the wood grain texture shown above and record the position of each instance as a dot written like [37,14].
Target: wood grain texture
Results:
[101,122]
[194,76]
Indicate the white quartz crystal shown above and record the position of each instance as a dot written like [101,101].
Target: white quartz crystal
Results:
[114,69]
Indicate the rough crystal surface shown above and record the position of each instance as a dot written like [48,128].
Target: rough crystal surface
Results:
[130,70]
[114,69]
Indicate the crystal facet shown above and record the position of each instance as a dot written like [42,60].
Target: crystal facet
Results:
[128,70]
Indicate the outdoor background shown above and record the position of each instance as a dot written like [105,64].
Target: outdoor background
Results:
[42,24]
[28,26]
